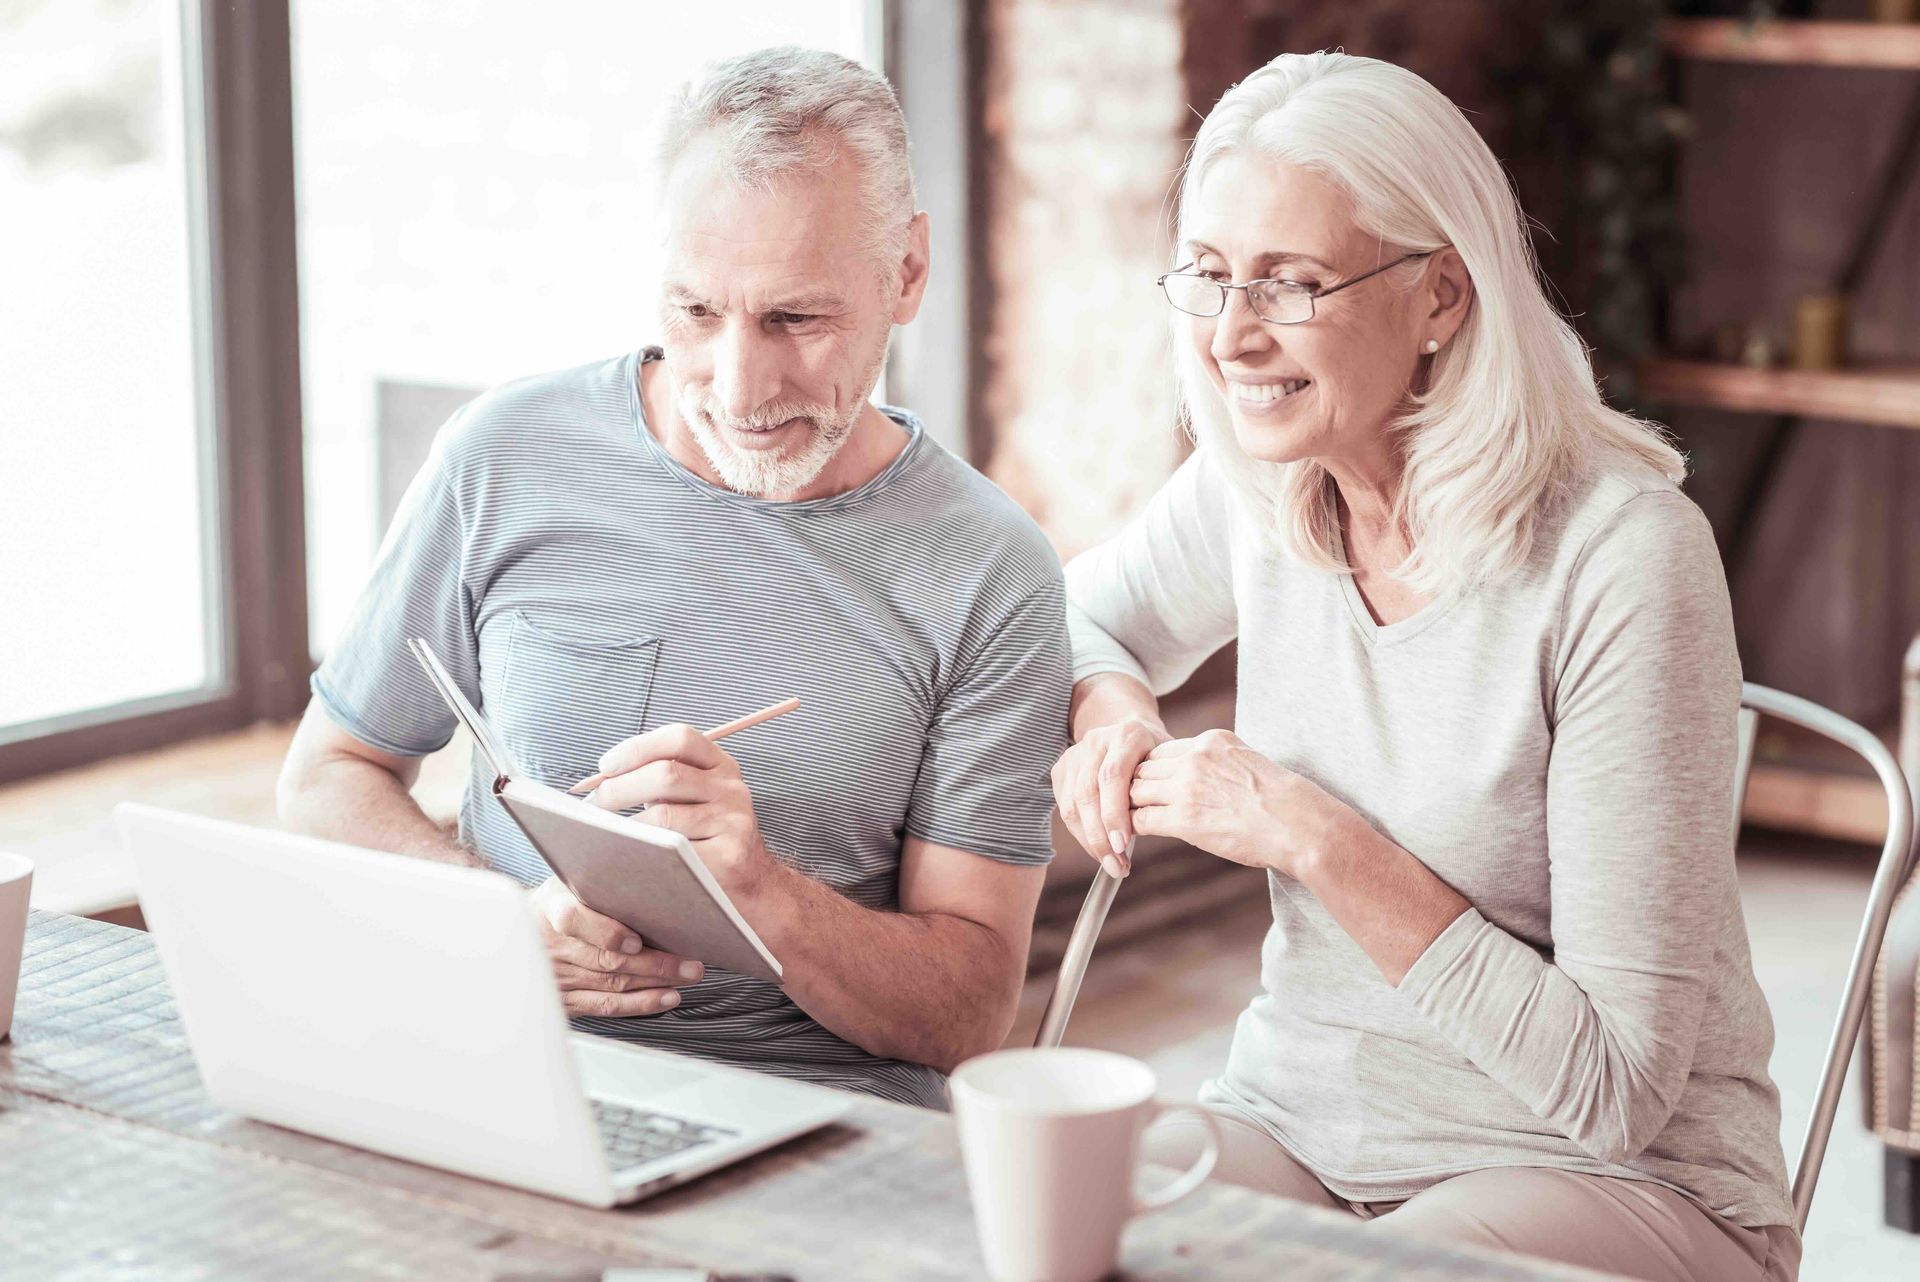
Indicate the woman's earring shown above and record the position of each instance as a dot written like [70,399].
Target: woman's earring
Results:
[1433,345]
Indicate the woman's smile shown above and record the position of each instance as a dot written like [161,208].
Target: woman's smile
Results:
[1267,396]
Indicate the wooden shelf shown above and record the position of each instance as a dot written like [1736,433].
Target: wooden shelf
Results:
[1892,46]
[1885,397]
[1819,803]
[1804,782]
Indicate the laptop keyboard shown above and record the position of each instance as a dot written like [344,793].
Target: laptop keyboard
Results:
[631,1136]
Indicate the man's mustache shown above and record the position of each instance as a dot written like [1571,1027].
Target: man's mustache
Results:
[764,417]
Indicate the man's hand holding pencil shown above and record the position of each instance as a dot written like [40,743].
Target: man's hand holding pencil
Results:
[688,784]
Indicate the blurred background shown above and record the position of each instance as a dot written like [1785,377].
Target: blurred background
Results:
[255,255]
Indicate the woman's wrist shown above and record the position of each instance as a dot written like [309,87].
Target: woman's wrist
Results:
[1312,838]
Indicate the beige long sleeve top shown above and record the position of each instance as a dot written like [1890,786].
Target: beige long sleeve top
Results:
[1559,748]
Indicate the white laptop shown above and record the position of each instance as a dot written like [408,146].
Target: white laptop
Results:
[409,1007]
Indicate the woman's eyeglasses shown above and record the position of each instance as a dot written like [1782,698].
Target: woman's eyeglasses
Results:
[1281,302]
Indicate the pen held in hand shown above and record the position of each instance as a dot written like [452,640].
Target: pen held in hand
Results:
[780,709]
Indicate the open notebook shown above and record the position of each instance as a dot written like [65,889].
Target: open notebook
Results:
[648,879]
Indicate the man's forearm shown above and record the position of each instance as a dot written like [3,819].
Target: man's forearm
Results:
[364,804]
[930,988]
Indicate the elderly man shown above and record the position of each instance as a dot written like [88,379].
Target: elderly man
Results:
[609,556]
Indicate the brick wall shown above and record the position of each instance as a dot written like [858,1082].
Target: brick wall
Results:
[1084,120]
[1464,48]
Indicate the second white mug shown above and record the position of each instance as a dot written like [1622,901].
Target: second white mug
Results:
[16,885]
[1051,1139]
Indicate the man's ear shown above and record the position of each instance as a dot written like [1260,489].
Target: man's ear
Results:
[914,267]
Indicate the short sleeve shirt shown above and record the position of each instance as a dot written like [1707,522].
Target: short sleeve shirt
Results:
[583,587]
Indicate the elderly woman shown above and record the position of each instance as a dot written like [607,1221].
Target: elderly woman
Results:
[1484,743]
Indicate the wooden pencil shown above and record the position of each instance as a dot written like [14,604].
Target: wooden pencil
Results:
[768,713]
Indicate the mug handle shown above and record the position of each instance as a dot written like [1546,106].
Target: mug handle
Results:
[1195,1175]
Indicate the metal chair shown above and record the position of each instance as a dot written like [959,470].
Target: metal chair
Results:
[1896,858]
[1073,962]
[1896,864]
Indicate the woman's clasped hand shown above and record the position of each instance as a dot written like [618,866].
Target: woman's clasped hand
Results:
[1213,791]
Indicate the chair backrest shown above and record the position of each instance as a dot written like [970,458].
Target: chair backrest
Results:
[1896,863]
[1896,858]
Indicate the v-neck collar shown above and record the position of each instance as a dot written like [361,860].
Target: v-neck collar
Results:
[1384,634]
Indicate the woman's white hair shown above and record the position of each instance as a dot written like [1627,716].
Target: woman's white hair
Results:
[1510,413]
[778,112]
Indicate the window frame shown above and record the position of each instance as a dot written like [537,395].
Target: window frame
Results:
[932,54]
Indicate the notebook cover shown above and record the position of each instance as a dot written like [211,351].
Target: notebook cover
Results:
[639,877]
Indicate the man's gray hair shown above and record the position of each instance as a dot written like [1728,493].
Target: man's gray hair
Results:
[787,110]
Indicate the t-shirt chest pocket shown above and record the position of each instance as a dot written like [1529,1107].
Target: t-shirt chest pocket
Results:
[566,697]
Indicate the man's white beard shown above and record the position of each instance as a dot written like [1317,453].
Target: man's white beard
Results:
[766,473]
[769,473]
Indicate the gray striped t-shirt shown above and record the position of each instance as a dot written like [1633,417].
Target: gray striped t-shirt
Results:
[582,587]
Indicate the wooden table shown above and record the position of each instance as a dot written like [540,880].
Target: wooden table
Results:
[115,1164]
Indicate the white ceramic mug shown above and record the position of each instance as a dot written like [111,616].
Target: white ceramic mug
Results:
[1051,1138]
[16,882]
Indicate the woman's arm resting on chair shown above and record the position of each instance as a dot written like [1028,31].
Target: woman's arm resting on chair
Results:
[1144,609]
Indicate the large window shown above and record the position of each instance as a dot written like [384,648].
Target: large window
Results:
[150,546]
[106,494]
[473,207]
